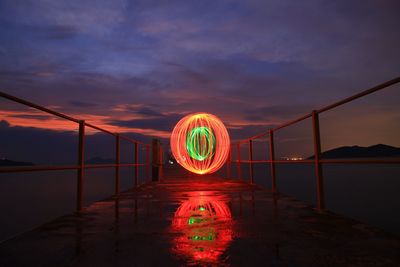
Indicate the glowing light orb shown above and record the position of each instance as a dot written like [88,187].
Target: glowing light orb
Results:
[200,143]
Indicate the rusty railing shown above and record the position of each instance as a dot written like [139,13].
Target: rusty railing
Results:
[81,166]
[317,161]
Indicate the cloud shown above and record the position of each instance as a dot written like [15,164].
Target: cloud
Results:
[36,119]
[82,104]
[148,112]
[163,122]
[98,19]
[29,116]
[58,32]
[140,65]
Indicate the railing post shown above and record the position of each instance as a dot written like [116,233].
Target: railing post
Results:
[136,164]
[272,160]
[81,164]
[238,161]
[117,162]
[229,164]
[318,166]
[156,164]
[161,164]
[147,163]
[251,161]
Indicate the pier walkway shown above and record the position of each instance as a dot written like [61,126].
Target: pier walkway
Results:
[197,221]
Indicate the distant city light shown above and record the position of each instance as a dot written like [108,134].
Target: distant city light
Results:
[291,158]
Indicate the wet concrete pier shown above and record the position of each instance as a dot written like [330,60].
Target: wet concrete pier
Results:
[201,221]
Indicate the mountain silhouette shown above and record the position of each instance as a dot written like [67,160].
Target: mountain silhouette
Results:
[8,162]
[375,151]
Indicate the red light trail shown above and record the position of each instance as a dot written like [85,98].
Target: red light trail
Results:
[200,143]
[205,226]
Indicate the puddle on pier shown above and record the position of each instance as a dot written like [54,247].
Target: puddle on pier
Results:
[191,227]
[203,227]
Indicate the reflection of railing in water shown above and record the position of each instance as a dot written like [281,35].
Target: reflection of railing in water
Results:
[317,161]
[81,166]
[200,230]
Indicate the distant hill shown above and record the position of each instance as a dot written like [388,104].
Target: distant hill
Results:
[8,162]
[375,151]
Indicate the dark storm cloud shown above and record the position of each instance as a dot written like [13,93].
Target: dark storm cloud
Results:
[82,104]
[4,124]
[37,117]
[164,122]
[148,112]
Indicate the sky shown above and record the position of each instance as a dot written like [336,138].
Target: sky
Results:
[137,67]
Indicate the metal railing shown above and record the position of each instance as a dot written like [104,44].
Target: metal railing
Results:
[81,166]
[317,161]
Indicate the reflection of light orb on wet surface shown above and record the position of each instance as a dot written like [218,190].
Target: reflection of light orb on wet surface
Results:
[204,229]
[200,143]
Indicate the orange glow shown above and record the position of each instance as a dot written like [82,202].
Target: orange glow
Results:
[205,226]
[28,119]
[200,143]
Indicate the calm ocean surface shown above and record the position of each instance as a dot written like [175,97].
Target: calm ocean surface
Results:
[367,193]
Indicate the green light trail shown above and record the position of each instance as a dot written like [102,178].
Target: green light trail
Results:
[200,143]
